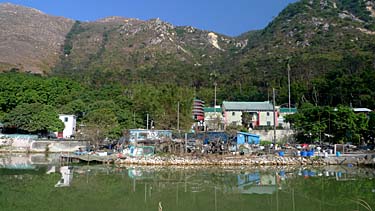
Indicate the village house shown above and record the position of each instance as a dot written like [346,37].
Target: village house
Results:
[213,118]
[248,114]
[70,126]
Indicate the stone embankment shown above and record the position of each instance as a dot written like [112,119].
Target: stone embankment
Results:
[265,160]
[222,161]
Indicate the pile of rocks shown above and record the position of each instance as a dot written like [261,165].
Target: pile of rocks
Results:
[269,160]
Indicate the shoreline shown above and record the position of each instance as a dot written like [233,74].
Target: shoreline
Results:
[264,160]
[364,159]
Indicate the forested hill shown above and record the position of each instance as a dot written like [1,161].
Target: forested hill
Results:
[327,45]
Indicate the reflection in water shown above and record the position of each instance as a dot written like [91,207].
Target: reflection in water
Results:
[26,161]
[103,187]
[51,170]
[256,183]
[326,188]
[252,181]
[66,176]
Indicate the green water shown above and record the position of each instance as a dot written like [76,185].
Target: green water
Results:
[145,188]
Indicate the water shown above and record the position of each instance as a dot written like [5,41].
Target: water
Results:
[36,182]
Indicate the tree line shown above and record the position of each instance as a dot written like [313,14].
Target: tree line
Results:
[318,124]
[31,103]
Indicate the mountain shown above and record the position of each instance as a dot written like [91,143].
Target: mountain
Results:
[328,46]
[326,28]
[30,40]
[36,42]
[138,50]
[324,42]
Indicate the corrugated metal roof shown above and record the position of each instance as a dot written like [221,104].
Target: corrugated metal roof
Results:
[247,106]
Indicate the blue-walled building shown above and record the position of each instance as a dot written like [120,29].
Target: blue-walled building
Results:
[247,138]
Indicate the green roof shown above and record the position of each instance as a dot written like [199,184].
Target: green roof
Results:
[212,109]
[247,106]
[286,110]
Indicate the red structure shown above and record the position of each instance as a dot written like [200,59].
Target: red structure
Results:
[198,112]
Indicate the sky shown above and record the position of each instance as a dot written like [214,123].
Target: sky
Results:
[228,17]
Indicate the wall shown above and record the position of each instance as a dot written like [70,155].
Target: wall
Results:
[27,145]
[57,146]
[264,118]
[230,118]
[281,135]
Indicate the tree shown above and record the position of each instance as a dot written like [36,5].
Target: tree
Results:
[340,124]
[34,118]
[100,124]
[310,122]
[370,134]
[344,125]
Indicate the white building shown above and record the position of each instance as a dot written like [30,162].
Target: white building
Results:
[213,118]
[259,113]
[70,126]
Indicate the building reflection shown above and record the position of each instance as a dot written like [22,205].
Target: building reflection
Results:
[253,181]
[66,176]
[256,183]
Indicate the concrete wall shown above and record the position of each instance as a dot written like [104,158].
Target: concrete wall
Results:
[281,135]
[27,145]
[57,146]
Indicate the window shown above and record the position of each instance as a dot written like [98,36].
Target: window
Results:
[233,113]
[268,113]
[66,119]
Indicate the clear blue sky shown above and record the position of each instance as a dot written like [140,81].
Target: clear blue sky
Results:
[229,17]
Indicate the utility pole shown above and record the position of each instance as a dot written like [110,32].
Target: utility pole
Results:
[274,117]
[288,67]
[147,122]
[215,84]
[178,116]
[134,118]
